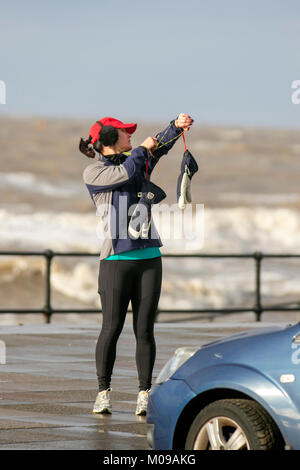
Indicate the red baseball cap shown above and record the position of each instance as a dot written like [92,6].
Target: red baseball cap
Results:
[109,121]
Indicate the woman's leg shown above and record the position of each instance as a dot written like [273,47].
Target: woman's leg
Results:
[145,298]
[115,283]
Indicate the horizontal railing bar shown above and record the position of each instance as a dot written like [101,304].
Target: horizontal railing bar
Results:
[208,310]
[21,310]
[45,253]
[165,255]
[78,310]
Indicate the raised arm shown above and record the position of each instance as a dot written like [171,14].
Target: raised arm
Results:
[167,138]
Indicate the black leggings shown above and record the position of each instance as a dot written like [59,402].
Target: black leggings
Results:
[119,282]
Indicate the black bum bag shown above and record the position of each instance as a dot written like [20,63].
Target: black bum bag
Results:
[140,220]
[150,193]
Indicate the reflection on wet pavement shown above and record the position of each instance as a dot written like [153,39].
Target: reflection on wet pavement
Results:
[48,385]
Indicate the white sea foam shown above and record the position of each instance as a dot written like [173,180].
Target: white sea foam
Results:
[42,230]
[26,181]
[236,229]
[258,199]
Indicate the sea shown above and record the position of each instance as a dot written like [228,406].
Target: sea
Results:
[245,194]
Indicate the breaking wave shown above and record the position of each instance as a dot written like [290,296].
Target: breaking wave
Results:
[26,181]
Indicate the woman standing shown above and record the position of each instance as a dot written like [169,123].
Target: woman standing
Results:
[130,259]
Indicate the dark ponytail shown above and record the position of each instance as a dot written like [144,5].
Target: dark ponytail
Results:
[108,136]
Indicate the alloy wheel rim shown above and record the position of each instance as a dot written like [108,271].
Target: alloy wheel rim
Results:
[221,433]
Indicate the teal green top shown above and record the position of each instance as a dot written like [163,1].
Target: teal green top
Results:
[142,253]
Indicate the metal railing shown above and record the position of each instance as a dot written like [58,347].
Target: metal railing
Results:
[257,308]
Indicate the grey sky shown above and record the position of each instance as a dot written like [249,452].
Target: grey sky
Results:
[222,61]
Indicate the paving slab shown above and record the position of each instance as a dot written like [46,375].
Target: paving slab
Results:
[48,384]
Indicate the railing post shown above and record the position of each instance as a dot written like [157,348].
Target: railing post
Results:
[47,308]
[258,256]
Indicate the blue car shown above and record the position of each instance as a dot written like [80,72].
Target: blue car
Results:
[237,393]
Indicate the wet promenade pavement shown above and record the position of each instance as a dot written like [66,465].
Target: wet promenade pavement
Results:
[48,384]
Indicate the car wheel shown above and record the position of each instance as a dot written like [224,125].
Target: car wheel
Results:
[232,424]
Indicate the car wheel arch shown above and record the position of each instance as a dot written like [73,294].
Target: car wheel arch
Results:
[200,402]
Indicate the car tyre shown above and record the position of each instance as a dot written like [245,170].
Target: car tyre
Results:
[233,424]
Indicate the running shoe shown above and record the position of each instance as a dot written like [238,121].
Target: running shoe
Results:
[102,404]
[142,403]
